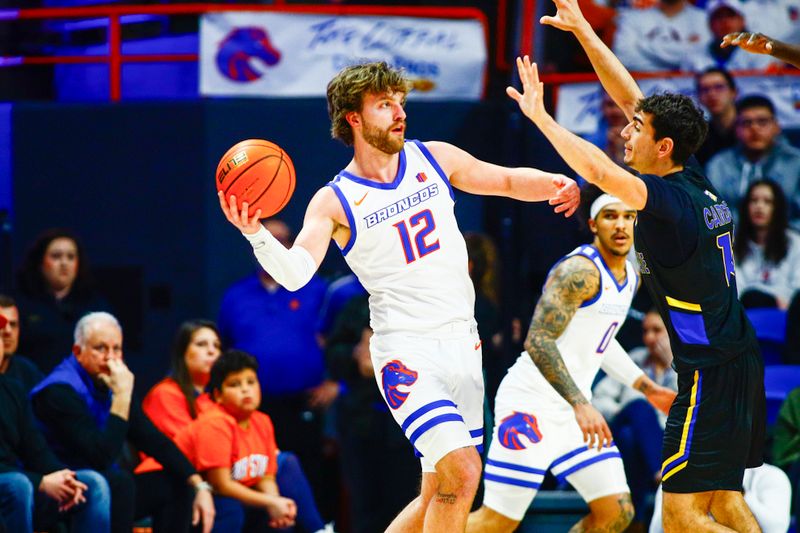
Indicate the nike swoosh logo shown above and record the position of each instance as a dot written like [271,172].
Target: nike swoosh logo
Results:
[358,202]
[478,344]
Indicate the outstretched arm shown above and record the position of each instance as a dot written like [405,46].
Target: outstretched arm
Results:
[616,80]
[572,282]
[293,267]
[758,43]
[585,158]
[472,175]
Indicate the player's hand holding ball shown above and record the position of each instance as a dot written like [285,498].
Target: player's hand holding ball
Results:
[255,179]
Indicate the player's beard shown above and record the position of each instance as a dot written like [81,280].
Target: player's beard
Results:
[382,139]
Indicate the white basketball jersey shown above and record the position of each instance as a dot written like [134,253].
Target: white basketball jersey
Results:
[583,343]
[405,245]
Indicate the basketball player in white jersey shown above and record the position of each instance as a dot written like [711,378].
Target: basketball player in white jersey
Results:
[390,211]
[543,418]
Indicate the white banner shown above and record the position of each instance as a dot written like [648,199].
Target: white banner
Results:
[579,103]
[281,54]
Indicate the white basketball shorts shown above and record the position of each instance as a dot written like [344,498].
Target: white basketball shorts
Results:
[433,385]
[527,441]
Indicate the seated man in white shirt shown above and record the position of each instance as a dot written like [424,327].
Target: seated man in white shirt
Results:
[659,37]
[724,17]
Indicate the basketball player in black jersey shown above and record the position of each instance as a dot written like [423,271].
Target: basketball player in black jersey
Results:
[683,239]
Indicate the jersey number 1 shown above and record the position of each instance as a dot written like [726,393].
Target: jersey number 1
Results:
[724,243]
[422,248]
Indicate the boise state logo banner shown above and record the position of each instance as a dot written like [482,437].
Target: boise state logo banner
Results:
[239,51]
[393,375]
[293,54]
[516,427]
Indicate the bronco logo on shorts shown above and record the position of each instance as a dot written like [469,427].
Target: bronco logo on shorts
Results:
[395,374]
[516,424]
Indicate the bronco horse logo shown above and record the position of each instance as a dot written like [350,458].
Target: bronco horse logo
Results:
[239,49]
[395,374]
[515,425]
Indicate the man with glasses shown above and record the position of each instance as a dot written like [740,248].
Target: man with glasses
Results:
[760,152]
[716,90]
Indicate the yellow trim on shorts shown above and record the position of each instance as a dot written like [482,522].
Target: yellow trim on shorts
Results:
[684,435]
[680,304]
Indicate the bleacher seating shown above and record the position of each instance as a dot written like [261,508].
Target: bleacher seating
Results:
[770,326]
[779,380]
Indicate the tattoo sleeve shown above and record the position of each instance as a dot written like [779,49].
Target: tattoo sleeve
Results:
[573,282]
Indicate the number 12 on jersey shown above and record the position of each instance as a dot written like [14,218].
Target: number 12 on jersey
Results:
[425,220]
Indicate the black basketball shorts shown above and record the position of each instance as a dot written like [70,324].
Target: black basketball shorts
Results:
[716,426]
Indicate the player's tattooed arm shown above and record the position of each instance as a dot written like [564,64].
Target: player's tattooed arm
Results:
[572,282]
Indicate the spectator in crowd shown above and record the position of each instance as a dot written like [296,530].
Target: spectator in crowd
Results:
[786,444]
[779,18]
[55,290]
[339,293]
[233,445]
[716,90]
[86,408]
[767,252]
[724,17]
[658,38]
[34,485]
[367,432]
[177,400]
[279,328]
[757,43]
[638,427]
[607,136]
[761,152]
[14,365]
[767,492]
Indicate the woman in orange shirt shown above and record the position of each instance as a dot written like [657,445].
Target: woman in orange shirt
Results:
[179,398]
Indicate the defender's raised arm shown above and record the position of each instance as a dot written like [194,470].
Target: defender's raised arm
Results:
[616,80]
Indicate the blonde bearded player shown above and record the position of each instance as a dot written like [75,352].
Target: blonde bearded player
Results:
[390,211]
[543,418]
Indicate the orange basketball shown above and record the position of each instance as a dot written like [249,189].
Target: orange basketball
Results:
[257,172]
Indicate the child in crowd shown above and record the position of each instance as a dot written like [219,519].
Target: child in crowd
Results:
[233,445]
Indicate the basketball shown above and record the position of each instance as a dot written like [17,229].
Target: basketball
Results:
[257,172]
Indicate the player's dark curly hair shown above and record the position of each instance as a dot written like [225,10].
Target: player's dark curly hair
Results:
[676,116]
[230,362]
[589,193]
[347,89]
